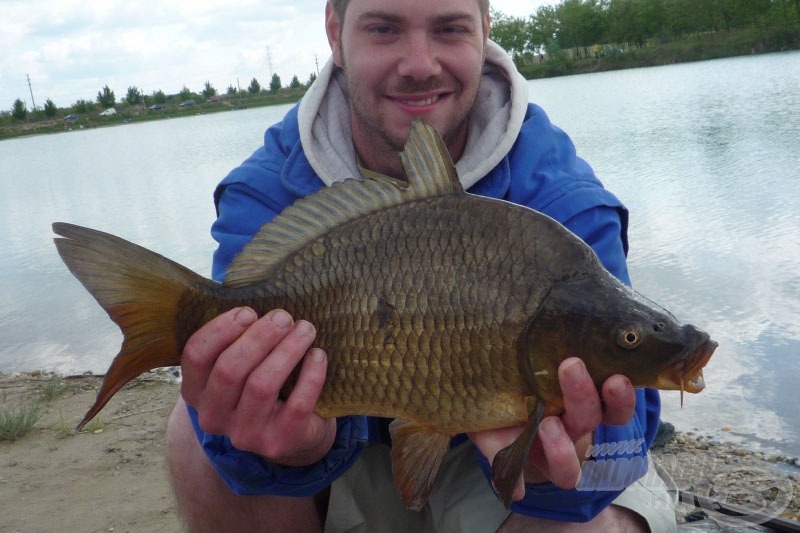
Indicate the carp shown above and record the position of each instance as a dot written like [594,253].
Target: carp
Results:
[445,311]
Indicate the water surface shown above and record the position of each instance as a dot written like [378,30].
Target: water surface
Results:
[705,155]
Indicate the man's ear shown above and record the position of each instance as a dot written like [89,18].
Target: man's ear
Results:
[487,25]
[333,29]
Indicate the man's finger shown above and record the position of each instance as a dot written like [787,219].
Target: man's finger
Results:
[619,400]
[583,410]
[563,466]
[203,348]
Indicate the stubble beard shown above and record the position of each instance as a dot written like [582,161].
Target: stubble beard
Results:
[372,123]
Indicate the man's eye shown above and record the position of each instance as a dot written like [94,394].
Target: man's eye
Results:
[381,30]
[452,30]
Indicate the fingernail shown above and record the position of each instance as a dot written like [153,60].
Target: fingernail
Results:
[280,318]
[304,329]
[317,355]
[546,426]
[575,370]
[550,426]
[245,316]
[620,388]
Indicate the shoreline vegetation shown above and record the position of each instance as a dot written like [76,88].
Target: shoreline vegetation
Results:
[573,37]
[112,476]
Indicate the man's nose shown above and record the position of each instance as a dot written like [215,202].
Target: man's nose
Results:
[421,59]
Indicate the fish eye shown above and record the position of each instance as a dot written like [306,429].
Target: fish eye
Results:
[629,337]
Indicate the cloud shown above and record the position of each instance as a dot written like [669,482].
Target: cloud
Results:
[71,48]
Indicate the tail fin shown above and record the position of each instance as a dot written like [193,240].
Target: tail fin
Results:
[139,289]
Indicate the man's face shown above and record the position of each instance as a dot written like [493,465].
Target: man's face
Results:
[405,60]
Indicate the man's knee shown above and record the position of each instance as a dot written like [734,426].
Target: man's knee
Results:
[189,468]
[181,441]
[205,503]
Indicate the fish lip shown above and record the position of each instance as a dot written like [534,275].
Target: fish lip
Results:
[686,373]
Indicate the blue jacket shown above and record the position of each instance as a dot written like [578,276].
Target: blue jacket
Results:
[542,172]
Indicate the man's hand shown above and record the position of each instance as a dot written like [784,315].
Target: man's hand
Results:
[233,370]
[561,441]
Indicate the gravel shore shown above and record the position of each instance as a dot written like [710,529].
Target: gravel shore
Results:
[112,477]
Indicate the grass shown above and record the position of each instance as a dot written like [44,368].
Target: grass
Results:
[15,422]
[18,421]
[53,388]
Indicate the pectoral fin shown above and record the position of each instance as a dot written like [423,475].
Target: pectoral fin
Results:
[509,462]
[417,454]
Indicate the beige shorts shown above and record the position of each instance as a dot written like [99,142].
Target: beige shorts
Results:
[365,499]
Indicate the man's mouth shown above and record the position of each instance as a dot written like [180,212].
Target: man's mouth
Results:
[419,102]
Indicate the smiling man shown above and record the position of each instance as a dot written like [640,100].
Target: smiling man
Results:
[264,463]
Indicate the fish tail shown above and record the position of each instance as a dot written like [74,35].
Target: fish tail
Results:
[140,290]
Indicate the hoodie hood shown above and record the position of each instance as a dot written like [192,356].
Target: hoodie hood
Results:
[494,123]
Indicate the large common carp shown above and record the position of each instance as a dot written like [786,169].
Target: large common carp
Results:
[445,311]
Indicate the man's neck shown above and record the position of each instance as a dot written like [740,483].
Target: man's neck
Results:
[378,156]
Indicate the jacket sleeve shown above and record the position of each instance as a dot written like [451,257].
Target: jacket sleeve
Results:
[249,196]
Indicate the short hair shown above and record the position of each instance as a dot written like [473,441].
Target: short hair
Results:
[340,6]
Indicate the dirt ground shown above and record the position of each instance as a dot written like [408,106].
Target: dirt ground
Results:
[112,477]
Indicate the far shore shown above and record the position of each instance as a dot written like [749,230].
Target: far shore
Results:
[701,48]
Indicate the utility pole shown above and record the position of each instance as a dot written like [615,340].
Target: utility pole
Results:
[269,62]
[316,62]
[33,102]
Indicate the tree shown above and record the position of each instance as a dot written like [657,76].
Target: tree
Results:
[275,84]
[134,96]
[231,89]
[106,98]
[82,106]
[185,94]
[209,90]
[582,25]
[159,97]
[19,110]
[511,33]
[50,109]
[295,83]
[544,27]
[311,79]
[254,87]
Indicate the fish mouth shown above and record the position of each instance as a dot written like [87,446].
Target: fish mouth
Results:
[686,374]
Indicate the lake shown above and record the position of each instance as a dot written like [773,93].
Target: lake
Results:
[705,155]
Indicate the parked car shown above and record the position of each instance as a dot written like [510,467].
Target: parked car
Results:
[187,103]
[156,107]
[71,116]
[108,112]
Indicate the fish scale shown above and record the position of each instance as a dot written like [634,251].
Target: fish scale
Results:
[463,289]
[446,311]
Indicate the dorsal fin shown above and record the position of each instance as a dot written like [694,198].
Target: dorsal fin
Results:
[427,163]
[429,170]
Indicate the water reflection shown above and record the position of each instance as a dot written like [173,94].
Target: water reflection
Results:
[705,156]
[150,183]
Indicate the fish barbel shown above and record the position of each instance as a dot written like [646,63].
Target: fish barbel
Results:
[445,311]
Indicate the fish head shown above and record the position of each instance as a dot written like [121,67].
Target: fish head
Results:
[614,330]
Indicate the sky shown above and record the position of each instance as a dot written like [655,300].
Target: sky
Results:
[71,49]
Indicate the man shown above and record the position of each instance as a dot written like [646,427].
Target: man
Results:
[393,61]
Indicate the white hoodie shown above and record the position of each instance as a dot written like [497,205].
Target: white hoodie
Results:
[495,121]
